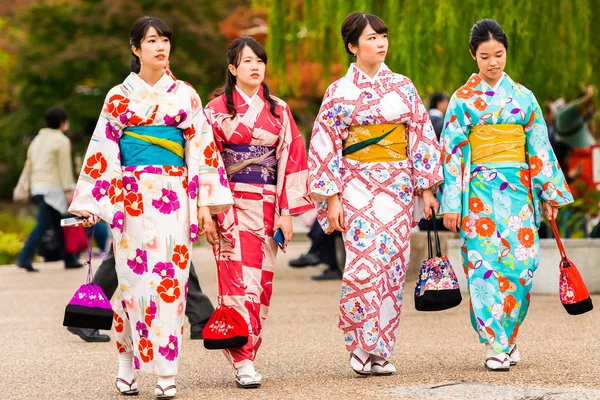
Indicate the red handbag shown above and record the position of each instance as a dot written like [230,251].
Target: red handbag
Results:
[574,295]
[75,239]
[226,328]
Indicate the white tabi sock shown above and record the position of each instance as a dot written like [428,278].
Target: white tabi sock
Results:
[247,370]
[126,366]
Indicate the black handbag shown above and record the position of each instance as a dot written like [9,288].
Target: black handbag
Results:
[437,287]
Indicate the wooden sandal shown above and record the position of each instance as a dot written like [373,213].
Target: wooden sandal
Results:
[132,391]
[501,368]
[365,368]
[163,394]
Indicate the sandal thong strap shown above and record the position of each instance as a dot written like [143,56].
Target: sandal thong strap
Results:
[165,389]
[124,382]
[385,364]
[512,351]
[363,363]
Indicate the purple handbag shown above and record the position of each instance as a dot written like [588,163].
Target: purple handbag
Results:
[89,307]
[437,287]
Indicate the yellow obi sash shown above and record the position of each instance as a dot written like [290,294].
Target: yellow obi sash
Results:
[376,143]
[497,143]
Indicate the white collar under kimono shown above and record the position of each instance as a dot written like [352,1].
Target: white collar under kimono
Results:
[497,85]
[353,71]
[246,98]
[162,85]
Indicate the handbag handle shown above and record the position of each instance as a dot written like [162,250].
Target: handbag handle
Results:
[90,239]
[438,248]
[561,248]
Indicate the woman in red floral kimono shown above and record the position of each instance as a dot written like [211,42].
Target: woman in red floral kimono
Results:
[265,160]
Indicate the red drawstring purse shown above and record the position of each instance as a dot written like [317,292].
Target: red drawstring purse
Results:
[226,328]
[574,295]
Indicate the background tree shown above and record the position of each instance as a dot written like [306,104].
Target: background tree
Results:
[554,45]
[73,52]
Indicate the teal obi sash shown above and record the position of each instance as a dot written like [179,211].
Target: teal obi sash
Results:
[152,145]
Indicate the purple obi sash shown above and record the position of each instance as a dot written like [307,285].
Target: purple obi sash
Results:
[250,163]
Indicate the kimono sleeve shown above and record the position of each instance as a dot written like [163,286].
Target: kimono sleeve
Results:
[325,153]
[205,166]
[99,187]
[424,149]
[455,158]
[292,170]
[547,179]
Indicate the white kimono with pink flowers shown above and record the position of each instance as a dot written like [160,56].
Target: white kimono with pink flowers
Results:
[152,210]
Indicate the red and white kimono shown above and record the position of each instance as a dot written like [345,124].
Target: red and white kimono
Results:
[266,160]
[377,198]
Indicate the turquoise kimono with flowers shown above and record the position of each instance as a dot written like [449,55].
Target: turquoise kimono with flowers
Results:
[499,203]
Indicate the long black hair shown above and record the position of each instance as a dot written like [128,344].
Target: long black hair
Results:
[485,30]
[234,55]
[138,33]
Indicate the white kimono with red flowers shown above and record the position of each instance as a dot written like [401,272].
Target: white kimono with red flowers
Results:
[152,210]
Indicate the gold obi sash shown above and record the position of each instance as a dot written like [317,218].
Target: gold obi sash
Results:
[497,143]
[376,143]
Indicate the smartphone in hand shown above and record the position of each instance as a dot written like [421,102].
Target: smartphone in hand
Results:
[74,221]
[279,239]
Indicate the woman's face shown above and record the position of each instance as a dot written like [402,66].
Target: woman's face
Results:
[250,72]
[372,46]
[491,60]
[154,50]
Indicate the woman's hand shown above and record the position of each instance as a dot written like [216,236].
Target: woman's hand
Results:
[91,218]
[212,235]
[205,221]
[285,223]
[452,221]
[335,214]
[551,211]
[430,203]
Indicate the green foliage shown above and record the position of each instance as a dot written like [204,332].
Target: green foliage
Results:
[13,232]
[572,219]
[553,45]
[72,53]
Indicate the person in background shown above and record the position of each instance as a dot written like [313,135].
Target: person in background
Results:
[51,183]
[322,250]
[571,120]
[437,109]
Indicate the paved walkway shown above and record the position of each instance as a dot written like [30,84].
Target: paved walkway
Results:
[302,356]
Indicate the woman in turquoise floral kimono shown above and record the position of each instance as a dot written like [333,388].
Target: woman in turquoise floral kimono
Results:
[499,170]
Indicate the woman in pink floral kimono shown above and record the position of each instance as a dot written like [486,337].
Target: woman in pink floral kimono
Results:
[375,161]
[152,173]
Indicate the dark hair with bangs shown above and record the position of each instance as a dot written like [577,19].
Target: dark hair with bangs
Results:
[355,23]
[234,57]
[138,33]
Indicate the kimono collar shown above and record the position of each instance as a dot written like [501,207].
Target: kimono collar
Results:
[356,74]
[165,82]
[496,86]
[244,96]
[241,99]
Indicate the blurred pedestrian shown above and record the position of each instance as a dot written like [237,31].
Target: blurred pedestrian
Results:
[51,183]
[438,104]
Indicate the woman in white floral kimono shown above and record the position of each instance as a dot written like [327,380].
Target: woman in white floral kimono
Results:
[150,173]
